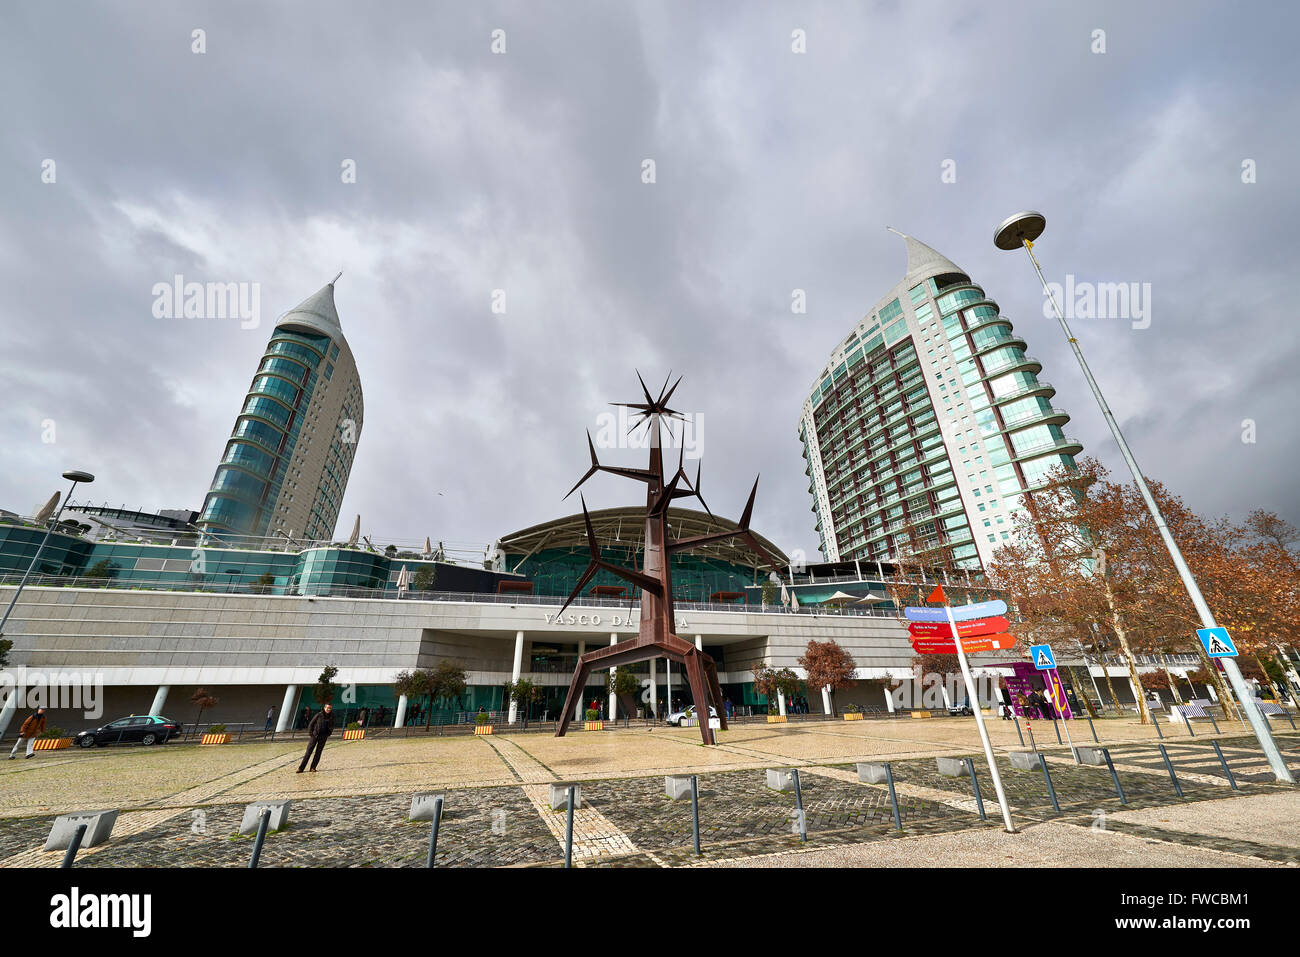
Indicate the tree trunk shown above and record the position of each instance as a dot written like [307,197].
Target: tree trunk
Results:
[1118,627]
[1178,699]
[1080,690]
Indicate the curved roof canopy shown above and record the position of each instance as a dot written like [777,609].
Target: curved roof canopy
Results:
[625,527]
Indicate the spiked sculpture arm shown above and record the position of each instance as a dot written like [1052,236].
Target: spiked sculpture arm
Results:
[596,564]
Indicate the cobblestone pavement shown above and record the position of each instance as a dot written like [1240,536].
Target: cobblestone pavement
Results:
[354,811]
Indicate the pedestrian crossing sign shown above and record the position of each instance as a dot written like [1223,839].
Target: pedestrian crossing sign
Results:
[1042,657]
[1217,643]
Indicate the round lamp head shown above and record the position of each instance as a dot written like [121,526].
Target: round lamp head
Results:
[75,476]
[1013,232]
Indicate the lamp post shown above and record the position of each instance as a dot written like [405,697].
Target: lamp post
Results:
[75,477]
[1020,230]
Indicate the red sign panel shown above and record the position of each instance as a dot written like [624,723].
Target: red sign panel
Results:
[941,629]
[938,646]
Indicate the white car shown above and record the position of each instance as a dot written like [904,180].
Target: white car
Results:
[677,718]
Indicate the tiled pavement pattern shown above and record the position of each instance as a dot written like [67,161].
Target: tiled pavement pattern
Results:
[630,821]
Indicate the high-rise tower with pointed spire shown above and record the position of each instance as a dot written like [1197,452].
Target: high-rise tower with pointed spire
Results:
[286,464]
[928,425]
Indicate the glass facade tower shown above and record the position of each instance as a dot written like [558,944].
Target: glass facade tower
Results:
[928,425]
[286,464]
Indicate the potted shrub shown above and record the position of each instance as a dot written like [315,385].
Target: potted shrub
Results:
[482,723]
[852,712]
[216,734]
[53,739]
[353,731]
[592,722]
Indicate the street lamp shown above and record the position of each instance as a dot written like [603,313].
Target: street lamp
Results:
[1020,230]
[75,477]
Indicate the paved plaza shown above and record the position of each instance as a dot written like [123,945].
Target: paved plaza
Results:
[181,804]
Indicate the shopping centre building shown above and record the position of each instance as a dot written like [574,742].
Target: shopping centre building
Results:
[152,617]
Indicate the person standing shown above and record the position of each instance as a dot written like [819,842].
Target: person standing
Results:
[29,732]
[270,719]
[321,727]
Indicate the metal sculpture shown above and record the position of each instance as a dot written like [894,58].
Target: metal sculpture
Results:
[655,637]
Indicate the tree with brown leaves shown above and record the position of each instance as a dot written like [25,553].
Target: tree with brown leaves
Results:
[828,666]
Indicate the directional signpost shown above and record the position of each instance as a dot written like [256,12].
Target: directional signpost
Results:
[969,614]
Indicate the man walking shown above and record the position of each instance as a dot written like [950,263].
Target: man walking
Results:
[270,719]
[29,732]
[321,727]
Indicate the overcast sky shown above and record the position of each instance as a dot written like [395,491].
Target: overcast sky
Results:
[522,171]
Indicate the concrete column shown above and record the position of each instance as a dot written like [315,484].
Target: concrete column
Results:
[889,698]
[514,673]
[947,698]
[7,712]
[780,703]
[699,642]
[668,681]
[287,714]
[581,706]
[399,719]
[613,701]
[654,685]
[159,700]
[826,699]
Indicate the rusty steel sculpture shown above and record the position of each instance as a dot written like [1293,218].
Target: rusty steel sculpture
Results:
[655,638]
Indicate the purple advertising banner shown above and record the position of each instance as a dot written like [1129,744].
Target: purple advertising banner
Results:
[1026,679]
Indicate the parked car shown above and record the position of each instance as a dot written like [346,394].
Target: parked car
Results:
[143,729]
[677,718]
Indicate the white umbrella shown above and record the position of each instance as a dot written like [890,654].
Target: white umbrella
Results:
[403,581]
[785,594]
[794,601]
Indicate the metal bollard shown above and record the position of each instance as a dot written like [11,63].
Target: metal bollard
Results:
[1224,761]
[1029,726]
[568,833]
[1170,768]
[1213,722]
[1051,791]
[1057,728]
[263,822]
[893,798]
[1288,717]
[1113,776]
[1188,721]
[1156,721]
[1018,731]
[975,786]
[1093,728]
[71,853]
[433,832]
[695,812]
[798,806]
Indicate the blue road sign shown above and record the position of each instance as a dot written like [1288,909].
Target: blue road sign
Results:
[1042,657]
[984,609]
[1217,643]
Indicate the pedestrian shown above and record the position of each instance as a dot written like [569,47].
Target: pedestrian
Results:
[1049,711]
[321,727]
[270,717]
[361,719]
[29,732]
[306,716]
[729,708]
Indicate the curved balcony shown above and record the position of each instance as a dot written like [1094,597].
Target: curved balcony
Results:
[991,321]
[1023,364]
[1048,416]
[1066,446]
[1038,388]
[1011,340]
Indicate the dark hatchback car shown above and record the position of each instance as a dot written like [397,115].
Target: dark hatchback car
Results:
[137,729]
